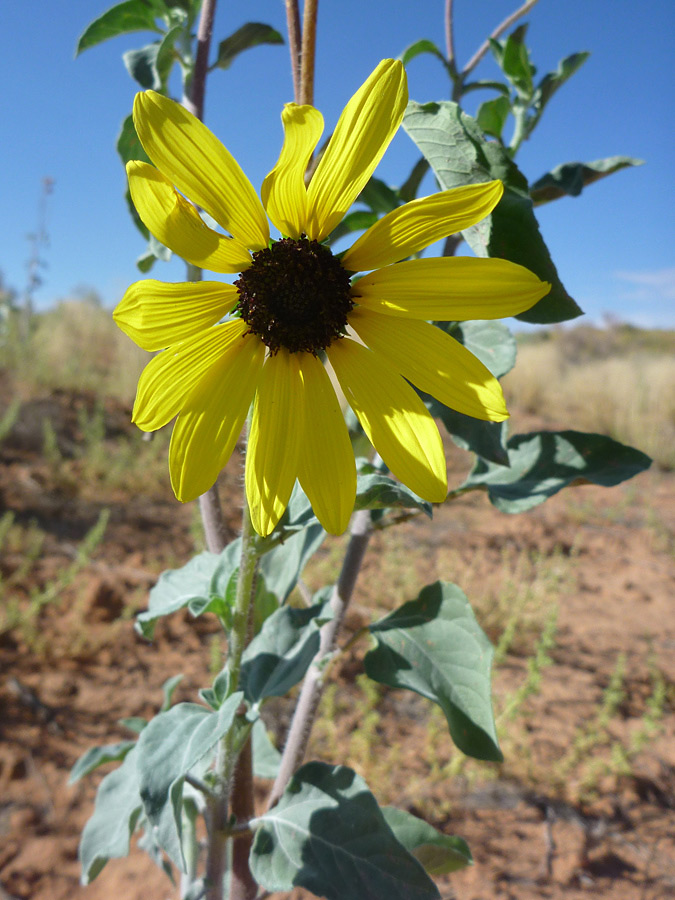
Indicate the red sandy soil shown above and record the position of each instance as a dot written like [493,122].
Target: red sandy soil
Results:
[532,836]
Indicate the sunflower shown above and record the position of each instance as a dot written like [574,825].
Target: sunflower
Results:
[296,310]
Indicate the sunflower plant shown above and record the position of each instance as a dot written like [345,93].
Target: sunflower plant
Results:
[331,370]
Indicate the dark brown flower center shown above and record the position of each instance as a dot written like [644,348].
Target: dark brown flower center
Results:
[295,295]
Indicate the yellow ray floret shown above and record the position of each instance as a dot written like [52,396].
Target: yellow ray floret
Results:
[267,341]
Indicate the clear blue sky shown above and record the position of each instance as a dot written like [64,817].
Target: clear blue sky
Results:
[612,246]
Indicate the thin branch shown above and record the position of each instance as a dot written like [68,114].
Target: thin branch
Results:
[308,51]
[204,32]
[449,35]
[294,44]
[199,785]
[497,33]
[312,686]
[215,529]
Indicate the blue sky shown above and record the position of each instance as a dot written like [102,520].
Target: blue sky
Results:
[612,246]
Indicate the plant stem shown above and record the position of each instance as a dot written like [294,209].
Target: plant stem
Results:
[308,50]
[228,749]
[312,686]
[294,44]
[243,886]
[197,92]
[449,35]
[497,33]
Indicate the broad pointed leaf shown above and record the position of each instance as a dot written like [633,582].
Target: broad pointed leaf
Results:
[278,657]
[133,15]
[98,756]
[380,492]
[459,154]
[542,463]
[328,835]
[249,35]
[266,757]
[439,853]
[170,746]
[434,646]
[118,806]
[569,179]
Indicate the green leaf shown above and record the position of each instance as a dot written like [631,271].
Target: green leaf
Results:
[491,341]
[569,179]
[168,689]
[543,463]
[176,588]
[129,148]
[492,115]
[380,492]
[133,723]
[515,62]
[434,646]
[133,15]
[553,80]
[379,196]
[487,85]
[458,153]
[282,566]
[173,744]
[128,144]
[419,47]
[278,657]
[151,65]
[410,187]
[252,34]
[439,853]
[98,756]
[328,835]
[495,347]
[118,806]
[486,439]
[358,220]
[266,757]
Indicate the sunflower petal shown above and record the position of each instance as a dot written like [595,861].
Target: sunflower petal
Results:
[417,224]
[283,192]
[197,163]
[327,471]
[169,377]
[155,314]
[274,442]
[396,421]
[434,362]
[178,225]
[362,134]
[451,288]
[212,417]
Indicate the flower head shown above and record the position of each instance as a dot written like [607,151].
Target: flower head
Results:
[296,310]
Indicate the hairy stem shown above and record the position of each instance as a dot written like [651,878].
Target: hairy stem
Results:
[312,686]
[449,36]
[308,51]
[294,44]
[497,33]
[228,750]
[195,100]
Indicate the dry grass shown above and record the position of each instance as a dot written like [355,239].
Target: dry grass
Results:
[76,345]
[594,380]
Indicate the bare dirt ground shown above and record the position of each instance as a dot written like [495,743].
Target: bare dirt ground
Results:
[584,805]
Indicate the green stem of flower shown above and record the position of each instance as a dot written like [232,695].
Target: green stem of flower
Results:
[308,51]
[312,686]
[230,746]
[294,44]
